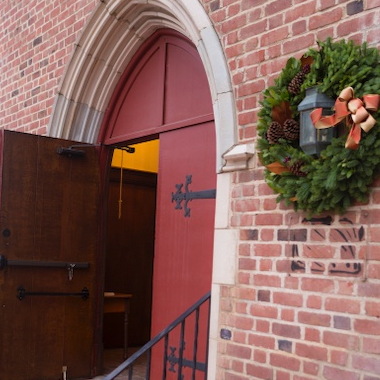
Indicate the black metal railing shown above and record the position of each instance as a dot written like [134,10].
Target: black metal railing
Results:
[171,362]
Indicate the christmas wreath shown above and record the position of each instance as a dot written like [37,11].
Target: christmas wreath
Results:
[343,172]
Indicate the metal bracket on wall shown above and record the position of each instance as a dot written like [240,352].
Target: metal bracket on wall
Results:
[188,195]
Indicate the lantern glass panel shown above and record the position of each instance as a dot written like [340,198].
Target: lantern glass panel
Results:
[313,141]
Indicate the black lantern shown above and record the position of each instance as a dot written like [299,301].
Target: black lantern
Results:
[312,140]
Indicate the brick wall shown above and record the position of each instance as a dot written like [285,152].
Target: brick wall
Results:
[306,304]
[36,40]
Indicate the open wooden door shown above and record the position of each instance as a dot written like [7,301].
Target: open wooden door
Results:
[48,242]
[184,239]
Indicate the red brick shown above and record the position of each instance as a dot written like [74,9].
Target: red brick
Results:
[259,372]
[311,351]
[347,341]
[277,6]
[317,285]
[264,341]
[342,323]
[284,266]
[291,283]
[333,373]
[345,28]
[339,357]
[371,345]
[313,318]
[234,23]
[314,302]
[289,331]
[253,29]
[262,326]
[271,250]
[238,351]
[282,375]
[373,4]
[247,205]
[289,299]
[312,334]
[274,36]
[267,280]
[264,311]
[268,219]
[373,270]
[369,290]
[244,278]
[240,337]
[247,264]
[372,309]
[366,364]
[259,356]
[372,252]
[299,27]
[299,12]
[367,326]
[244,249]
[343,305]
[285,361]
[265,265]
[298,43]
[319,251]
[326,18]
[241,307]
[288,315]
[237,366]
[310,368]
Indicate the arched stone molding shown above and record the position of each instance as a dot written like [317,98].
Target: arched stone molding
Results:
[108,42]
[110,39]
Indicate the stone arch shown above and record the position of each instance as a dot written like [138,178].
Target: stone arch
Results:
[108,42]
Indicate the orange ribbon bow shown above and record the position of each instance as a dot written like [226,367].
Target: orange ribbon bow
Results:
[348,106]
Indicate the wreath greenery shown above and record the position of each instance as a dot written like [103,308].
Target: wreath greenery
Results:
[339,176]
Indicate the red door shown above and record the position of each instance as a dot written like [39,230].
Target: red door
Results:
[184,234]
[48,222]
[164,93]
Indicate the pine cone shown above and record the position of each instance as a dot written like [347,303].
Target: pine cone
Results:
[306,69]
[296,169]
[296,83]
[291,130]
[275,132]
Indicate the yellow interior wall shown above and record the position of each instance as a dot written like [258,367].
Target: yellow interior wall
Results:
[145,157]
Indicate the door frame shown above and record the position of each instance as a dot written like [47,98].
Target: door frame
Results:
[79,110]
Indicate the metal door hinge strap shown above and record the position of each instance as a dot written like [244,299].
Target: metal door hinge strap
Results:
[21,293]
[189,195]
[42,264]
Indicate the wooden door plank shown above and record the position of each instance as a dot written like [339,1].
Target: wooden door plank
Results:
[50,206]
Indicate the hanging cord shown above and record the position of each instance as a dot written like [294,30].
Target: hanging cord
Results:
[127,149]
[121,184]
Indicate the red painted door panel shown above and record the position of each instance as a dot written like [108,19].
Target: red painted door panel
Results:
[184,244]
[165,87]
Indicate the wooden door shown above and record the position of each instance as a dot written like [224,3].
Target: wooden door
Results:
[48,216]
[184,232]
[164,92]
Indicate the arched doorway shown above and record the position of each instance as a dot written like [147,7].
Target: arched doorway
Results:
[164,97]
[106,46]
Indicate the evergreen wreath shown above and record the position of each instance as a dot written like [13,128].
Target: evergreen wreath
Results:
[339,176]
